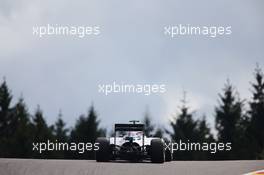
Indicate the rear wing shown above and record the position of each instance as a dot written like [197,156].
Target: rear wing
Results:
[129,127]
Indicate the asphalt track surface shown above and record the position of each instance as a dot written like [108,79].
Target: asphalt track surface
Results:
[90,167]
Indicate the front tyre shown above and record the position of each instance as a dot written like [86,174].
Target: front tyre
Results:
[103,153]
[157,151]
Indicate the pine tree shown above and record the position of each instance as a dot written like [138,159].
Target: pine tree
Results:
[228,116]
[149,127]
[42,133]
[60,134]
[60,131]
[22,131]
[5,100]
[187,130]
[5,119]
[183,125]
[41,129]
[90,126]
[159,132]
[256,112]
[87,130]
[204,135]
[203,130]
[184,130]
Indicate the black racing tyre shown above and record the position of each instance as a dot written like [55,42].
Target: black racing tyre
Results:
[157,151]
[103,153]
[168,155]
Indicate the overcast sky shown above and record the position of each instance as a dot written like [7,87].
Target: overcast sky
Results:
[63,72]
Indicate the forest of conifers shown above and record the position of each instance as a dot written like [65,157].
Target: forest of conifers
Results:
[236,120]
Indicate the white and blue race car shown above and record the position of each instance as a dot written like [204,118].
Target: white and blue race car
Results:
[130,143]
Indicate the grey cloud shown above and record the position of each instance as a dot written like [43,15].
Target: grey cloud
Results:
[133,49]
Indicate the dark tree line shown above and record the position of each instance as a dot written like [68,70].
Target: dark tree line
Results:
[238,121]
[19,129]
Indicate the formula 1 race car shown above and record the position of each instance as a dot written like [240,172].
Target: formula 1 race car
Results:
[130,143]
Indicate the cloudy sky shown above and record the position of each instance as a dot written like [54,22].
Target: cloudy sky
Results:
[59,72]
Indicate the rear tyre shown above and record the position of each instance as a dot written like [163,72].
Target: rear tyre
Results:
[157,151]
[103,153]
[168,155]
